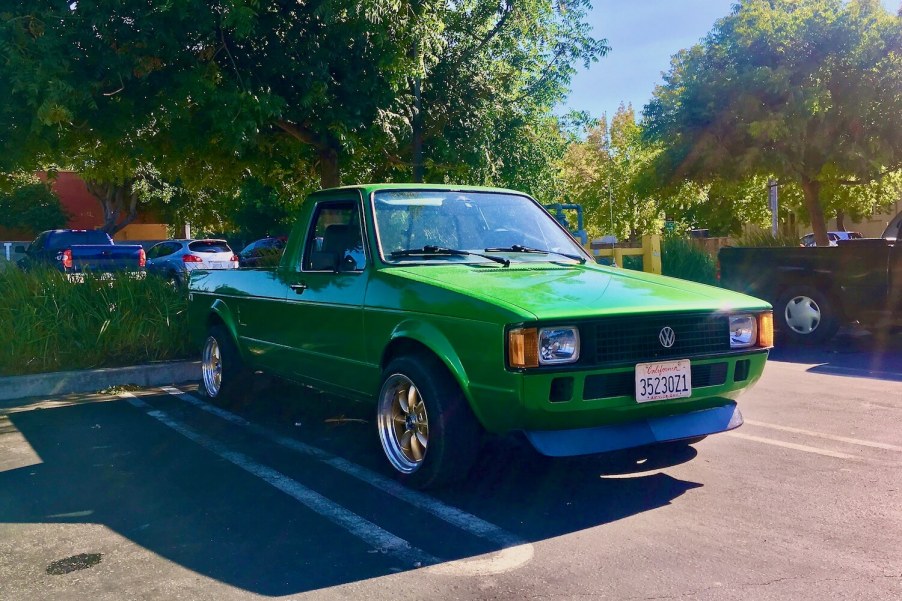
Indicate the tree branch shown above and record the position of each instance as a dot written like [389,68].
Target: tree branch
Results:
[395,159]
[548,72]
[114,92]
[506,12]
[300,133]
[232,59]
[852,182]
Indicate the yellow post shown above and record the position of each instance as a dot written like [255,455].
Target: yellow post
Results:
[651,253]
[618,256]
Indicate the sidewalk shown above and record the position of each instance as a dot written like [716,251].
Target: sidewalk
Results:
[93,380]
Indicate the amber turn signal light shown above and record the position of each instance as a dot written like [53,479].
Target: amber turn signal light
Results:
[523,347]
[766,329]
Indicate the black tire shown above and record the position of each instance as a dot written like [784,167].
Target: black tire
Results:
[174,280]
[805,315]
[234,376]
[453,434]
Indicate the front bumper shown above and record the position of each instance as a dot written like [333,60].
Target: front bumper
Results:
[600,439]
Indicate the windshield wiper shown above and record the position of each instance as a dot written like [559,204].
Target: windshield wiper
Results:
[440,250]
[516,248]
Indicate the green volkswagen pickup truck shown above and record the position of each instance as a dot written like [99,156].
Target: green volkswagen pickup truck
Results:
[464,311]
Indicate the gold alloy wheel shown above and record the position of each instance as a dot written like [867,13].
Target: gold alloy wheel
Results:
[211,365]
[403,423]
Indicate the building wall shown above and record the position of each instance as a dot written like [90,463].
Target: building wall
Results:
[87,214]
[84,209]
[142,231]
[873,226]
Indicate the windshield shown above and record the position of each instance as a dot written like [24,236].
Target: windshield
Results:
[466,221]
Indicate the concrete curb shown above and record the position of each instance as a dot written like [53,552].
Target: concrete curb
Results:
[93,380]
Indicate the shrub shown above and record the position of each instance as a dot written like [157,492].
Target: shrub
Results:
[682,259]
[31,207]
[52,324]
[765,238]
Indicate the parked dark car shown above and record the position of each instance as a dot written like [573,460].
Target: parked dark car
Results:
[78,251]
[815,290]
[833,237]
[265,252]
[175,259]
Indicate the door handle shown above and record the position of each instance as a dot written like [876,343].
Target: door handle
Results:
[299,288]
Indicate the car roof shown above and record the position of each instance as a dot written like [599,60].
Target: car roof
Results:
[192,240]
[368,188]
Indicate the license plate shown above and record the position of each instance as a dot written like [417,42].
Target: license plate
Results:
[663,380]
[217,265]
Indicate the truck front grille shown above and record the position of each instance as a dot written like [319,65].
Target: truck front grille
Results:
[636,339]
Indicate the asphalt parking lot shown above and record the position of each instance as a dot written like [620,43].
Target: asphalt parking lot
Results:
[154,494]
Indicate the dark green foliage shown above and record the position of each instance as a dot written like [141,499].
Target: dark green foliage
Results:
[263,211]
[57,325]
[633,262]
[31,208]
[682,259]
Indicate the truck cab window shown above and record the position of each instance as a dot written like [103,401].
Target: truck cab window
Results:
[335,241]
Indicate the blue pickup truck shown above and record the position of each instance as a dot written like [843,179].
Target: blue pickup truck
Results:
[78,251]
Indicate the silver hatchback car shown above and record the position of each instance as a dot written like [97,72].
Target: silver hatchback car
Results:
[175,259]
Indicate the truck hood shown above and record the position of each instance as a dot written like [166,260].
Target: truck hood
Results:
[559,291]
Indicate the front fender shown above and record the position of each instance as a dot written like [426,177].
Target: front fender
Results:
[220,308]
[220,311]
[435,340]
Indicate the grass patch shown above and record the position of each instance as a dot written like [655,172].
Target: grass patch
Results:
[51,324]
[765,238]
[682,259]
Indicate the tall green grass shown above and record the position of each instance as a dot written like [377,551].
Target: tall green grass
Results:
[682,259]
[48,323]
[766,238]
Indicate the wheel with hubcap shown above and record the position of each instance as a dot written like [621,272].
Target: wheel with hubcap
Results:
[225,376]
[428,432]
[807,315]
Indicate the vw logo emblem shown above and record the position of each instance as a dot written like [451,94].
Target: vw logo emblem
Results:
[667,337]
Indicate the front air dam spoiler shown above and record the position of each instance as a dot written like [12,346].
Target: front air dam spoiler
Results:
[600,439]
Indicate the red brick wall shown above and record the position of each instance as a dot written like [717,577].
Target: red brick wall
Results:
[84,209]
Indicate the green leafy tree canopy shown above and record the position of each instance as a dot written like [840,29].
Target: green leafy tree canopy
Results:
[804,90]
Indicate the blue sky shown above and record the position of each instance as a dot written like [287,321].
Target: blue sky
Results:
[643,35]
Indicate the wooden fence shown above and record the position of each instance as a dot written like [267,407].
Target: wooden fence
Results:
[650,251]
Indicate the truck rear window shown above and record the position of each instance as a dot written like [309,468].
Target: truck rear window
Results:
[210,246]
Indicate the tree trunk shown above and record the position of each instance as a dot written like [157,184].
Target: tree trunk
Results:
[812,190]
[117,201]
[329,175]
[841,221]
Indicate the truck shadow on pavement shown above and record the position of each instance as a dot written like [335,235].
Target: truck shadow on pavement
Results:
[111,464]
[852,352]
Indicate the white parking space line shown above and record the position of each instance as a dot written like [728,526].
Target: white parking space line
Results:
[361,528]
[791,445]
[514,551]
[855,441]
